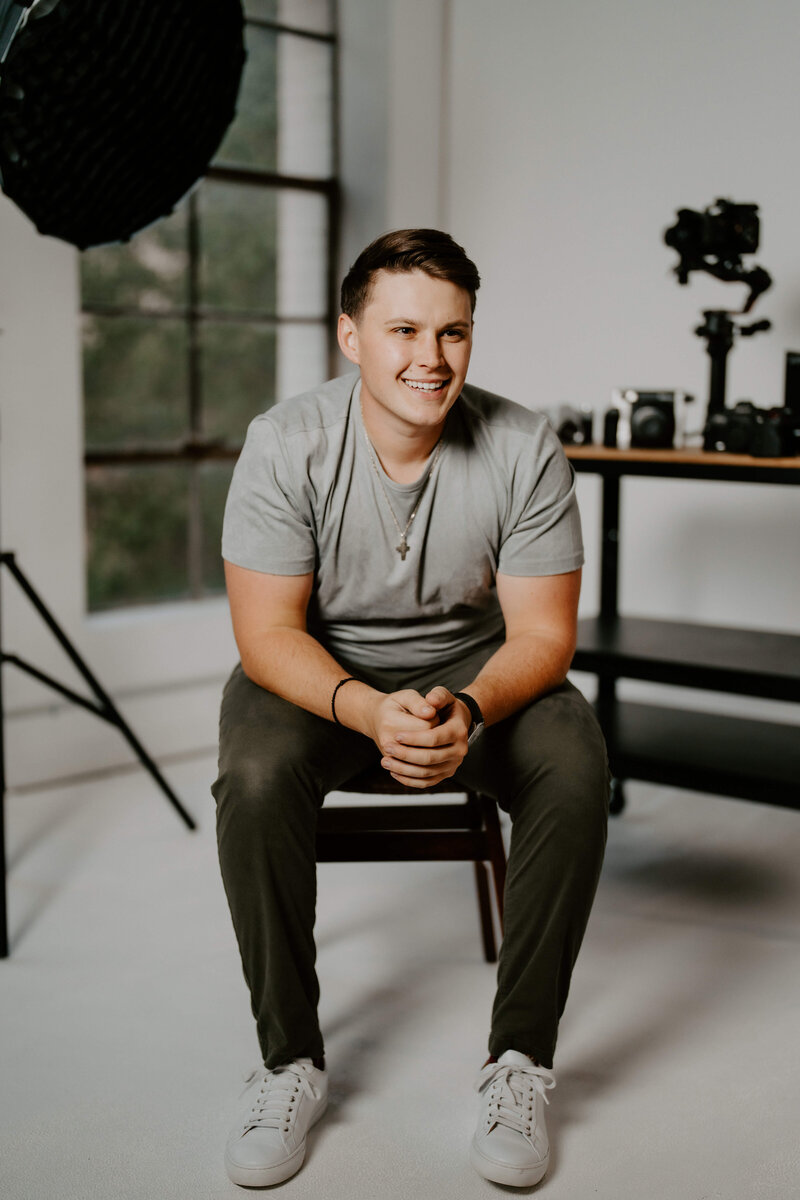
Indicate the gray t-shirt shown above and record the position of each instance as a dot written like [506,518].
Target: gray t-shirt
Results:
[305,496]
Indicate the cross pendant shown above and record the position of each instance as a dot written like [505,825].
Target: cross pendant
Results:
[402,549]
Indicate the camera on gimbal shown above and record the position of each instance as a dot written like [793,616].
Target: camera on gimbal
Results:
[714,241]
[722,232]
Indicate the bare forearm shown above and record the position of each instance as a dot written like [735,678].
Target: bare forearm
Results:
[294,665]
[524,667]
[268,613]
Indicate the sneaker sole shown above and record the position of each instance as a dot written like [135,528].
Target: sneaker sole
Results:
[498,1172]
[265,1176]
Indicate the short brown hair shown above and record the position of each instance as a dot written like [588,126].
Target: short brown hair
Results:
[427,250]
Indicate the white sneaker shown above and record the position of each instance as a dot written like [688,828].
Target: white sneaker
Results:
[510,1145]
[268,1144]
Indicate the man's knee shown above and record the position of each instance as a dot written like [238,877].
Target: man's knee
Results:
[262,790]
[248,782]
[567,767]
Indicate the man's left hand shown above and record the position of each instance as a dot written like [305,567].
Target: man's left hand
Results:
[424,758]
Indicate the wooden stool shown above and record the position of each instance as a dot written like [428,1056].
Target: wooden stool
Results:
[469,831]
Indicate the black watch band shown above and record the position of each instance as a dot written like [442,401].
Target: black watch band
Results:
[476,727]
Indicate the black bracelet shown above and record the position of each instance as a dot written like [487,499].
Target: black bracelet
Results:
[341,683]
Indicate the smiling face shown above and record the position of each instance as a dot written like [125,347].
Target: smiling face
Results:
[412,343]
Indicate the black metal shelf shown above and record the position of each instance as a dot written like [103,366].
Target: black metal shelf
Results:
[707,752]
[745,661]
[702,751]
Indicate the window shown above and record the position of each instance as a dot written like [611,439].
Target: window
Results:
[206,318]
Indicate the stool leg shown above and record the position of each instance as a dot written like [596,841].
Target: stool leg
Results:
[485,908]
[497,851]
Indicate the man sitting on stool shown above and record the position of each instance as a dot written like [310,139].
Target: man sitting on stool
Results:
[403,557]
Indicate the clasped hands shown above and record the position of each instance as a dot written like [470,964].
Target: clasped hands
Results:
[423,739]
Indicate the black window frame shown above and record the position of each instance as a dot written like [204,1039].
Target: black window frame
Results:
[197,448]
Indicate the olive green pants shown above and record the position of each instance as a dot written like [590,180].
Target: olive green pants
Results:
[546,767]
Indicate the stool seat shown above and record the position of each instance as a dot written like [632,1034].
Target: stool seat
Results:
[388,832]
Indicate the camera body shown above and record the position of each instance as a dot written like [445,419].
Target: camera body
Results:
[653,420]
[723,230]
[574,426]
[641,419]
[762,432]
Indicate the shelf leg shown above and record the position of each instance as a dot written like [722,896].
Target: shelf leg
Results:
[609,554]
[609,611]
[616,802]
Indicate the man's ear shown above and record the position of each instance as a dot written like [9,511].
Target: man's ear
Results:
[347,334]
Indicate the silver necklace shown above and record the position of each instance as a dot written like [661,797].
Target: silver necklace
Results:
[402,549]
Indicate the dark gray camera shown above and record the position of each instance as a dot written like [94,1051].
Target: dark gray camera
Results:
[745,429]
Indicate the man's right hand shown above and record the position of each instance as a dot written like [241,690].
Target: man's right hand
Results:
[422,743]
[399,712]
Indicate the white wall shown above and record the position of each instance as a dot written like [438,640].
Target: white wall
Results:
[364,54]
[393,147]
[577,129]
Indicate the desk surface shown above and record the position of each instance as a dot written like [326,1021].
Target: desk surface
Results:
[697,457]
[685,464]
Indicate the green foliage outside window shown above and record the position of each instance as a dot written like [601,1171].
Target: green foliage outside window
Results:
[137,519]
[238,248]
[135,380]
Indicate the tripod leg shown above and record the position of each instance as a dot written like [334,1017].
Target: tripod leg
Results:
[117,719]
[110,710]
[3,888]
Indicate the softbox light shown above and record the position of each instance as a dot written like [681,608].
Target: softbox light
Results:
[110,110]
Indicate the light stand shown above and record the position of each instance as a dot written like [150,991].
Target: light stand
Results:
[102,706]
[110,113]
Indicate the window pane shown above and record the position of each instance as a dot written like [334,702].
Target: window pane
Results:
[307,14]
[135,380]
[149,272]
[137,528]
[215,479]
[252,138]
[305,97]
[302,358]
[283,120]
[264,251]
[212,342]
[260,9]
[238,365]
[263,10]
[303,14]
[302,250]
[238,237]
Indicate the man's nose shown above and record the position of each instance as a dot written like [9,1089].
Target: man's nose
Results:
[429,350]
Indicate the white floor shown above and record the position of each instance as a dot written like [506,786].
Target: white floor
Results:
[125,1027]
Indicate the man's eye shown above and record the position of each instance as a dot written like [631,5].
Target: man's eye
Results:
[404,329]
[454,334]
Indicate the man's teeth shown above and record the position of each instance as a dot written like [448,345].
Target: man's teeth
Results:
[425,387]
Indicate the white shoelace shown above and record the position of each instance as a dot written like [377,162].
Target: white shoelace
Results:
[512,1094]
[275,1106]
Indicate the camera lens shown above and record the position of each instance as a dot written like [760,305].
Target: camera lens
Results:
[652,424]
